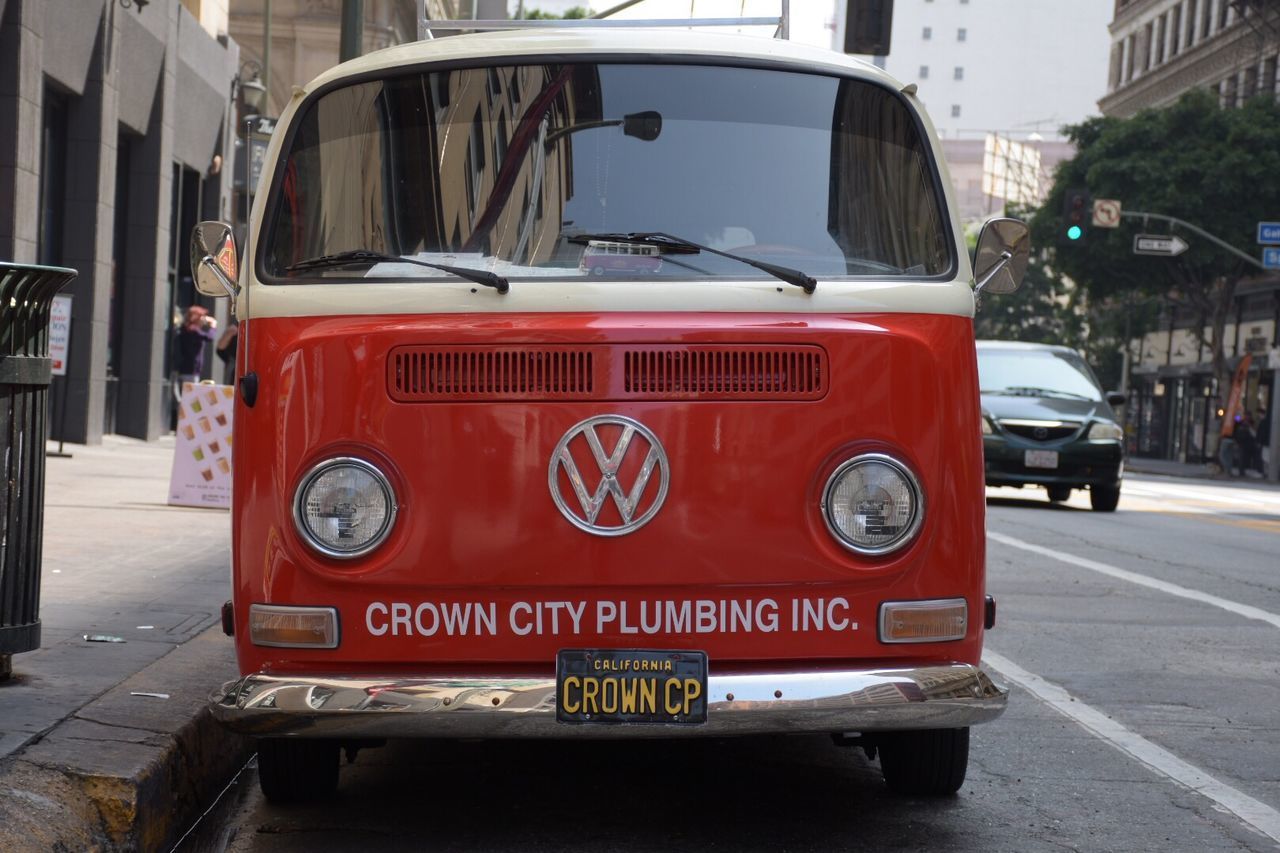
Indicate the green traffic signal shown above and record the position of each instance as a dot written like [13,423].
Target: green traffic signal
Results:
[1074,232]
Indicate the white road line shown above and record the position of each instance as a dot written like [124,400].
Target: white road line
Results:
[1256,814]
[1244,610]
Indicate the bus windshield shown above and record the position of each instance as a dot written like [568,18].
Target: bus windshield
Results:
[500,168]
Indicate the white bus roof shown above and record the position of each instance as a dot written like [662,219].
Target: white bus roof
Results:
[558,44]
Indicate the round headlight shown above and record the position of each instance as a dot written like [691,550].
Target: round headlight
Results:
[344,507]
[873,504]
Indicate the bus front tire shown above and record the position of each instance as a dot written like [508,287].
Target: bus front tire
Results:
[297,770]
[925,763]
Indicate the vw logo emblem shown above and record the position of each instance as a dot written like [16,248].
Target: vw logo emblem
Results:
[1040,433]
[635,456]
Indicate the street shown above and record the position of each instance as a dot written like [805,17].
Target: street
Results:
[1140,649]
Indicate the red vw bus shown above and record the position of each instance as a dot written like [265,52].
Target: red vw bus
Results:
[483,491]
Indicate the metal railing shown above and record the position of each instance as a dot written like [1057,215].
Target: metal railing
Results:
[26,297]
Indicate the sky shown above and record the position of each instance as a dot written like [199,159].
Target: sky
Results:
[809,18]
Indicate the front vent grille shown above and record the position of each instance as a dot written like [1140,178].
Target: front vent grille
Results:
[424,374]
[725,372]
[1041,430]
[418,374]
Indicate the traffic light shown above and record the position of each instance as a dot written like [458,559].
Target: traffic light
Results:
[1077,210]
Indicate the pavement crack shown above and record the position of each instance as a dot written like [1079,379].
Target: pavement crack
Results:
[98,722]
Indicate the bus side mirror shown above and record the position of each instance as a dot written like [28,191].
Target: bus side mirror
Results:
[1004,247]
[214,264]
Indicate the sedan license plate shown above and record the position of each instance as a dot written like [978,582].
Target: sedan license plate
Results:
[1041,459]
[631,686]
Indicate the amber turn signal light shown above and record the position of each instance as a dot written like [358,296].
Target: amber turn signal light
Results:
[928,621]
[293,627]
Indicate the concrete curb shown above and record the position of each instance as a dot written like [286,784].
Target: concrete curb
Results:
[127,772]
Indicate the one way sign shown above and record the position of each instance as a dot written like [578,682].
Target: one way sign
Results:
[1164,245]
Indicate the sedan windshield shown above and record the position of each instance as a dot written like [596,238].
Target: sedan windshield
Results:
[502,168]
[1036,373]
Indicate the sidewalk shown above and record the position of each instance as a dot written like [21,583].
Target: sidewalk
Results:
[1202,471]
[85,760]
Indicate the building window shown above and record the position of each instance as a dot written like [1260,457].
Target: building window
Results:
[955,111]
[959,75]
[924,72]
[1191,22]
[1148,43]
[1161,32]
[1205,18]
[1269,77]
[1224,11]
[1175,43]
[961,34]
[927,33]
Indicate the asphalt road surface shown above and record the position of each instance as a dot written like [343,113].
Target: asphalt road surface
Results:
[1143,652]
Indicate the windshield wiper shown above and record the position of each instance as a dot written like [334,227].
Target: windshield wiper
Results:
[1032,391]
[361,257]
[681,245]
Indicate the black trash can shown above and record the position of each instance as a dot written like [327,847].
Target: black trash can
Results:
[26,296]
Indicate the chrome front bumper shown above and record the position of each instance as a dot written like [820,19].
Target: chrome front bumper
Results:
[933,697]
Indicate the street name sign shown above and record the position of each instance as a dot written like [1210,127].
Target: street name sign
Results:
[1164,245]
[1269,233]
[1271,257]
[1106,212]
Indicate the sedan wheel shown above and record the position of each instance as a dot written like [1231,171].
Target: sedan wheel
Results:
[1104,498]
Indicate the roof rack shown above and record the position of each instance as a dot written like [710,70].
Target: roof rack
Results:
[427,25]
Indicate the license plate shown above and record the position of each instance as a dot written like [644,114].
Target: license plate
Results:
[1041,459]
[631,686]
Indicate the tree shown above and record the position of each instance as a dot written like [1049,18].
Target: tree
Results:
[1212,166]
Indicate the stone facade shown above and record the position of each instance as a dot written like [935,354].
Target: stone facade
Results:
[113,127]
[305,35]
[1162,48]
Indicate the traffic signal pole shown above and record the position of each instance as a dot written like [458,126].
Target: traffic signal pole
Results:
[1173,220]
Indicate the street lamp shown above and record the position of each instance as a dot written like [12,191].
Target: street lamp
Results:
[252,93]
[249,100]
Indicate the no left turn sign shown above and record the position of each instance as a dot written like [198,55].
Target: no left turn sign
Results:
[1106,213]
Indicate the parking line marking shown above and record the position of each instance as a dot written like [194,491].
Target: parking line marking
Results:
[1244,610]
[1256,814]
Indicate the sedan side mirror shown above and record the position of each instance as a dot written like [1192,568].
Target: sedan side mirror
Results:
[1115,398]
[1004,247]
[214,264]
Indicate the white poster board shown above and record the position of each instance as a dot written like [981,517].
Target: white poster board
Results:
[60,333]
[201,473]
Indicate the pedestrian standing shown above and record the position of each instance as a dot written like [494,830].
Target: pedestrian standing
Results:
[1264,440]
[197,329]
[1246,443]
